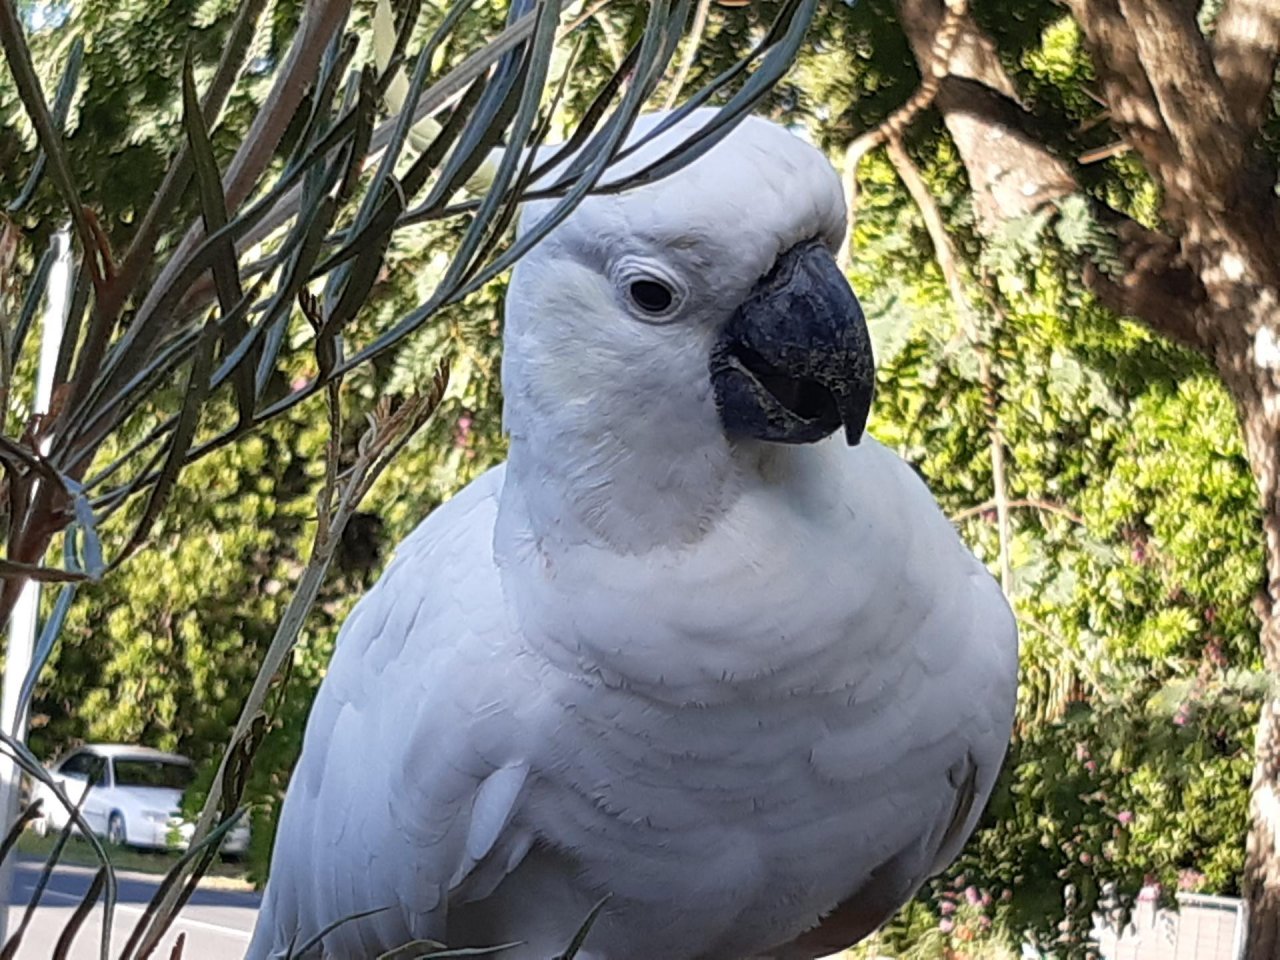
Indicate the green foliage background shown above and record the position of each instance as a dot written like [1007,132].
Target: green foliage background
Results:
[1136,553]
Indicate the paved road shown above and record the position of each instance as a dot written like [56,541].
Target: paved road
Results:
[217,923]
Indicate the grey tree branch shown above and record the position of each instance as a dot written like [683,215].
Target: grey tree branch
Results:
[1246,47]
[1012,175]
[1189,95]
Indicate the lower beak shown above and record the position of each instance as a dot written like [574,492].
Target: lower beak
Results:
[794,362]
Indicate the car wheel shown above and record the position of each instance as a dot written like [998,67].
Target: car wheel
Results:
[115,830]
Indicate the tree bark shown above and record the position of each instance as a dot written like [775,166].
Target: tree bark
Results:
[1190,106]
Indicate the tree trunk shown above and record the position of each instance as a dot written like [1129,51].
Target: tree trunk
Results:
[1262,864]
[1258,395]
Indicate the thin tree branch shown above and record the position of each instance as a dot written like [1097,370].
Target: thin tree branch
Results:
[943,251]
[338,500]
[586,14]
[939,63]
[1044,506]
[945,254]
[1098,154]
[13,569]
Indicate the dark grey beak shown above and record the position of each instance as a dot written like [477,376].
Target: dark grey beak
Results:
[794,362]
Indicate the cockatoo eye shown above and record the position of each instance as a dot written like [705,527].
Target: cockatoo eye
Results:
[651,295]
[651,291]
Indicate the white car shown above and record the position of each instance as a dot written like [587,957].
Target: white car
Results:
[133,796]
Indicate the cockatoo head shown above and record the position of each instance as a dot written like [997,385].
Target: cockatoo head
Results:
[684,319]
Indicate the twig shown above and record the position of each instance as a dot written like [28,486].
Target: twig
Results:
[999,480]
[33,571]
[945,254]
[1104,153]
[898,121]
[1047,506]
[586,15]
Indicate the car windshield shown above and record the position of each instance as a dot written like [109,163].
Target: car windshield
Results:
[139,772]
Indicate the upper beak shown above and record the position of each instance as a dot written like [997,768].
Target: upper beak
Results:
[794,362]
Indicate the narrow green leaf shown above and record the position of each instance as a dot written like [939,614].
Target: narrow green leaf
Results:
[329,928]
[31,302]
[580,937]
[62,949]
[150,916]
[183,434]
[61,106]
[213,206]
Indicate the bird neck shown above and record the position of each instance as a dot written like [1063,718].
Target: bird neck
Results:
[619,492]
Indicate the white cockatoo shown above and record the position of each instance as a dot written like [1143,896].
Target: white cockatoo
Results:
[700,647]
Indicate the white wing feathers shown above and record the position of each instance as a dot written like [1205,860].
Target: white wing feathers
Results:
[402,715]
[490,813]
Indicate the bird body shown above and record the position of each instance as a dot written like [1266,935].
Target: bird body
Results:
[752,692]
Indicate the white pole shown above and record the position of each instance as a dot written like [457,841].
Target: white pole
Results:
[22,623]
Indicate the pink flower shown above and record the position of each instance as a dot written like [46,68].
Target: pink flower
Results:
[984,922]
[462,437]
[1190,879]
[1091,766]
[1125,816]
[946,926]
[971,894]
[947,908]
